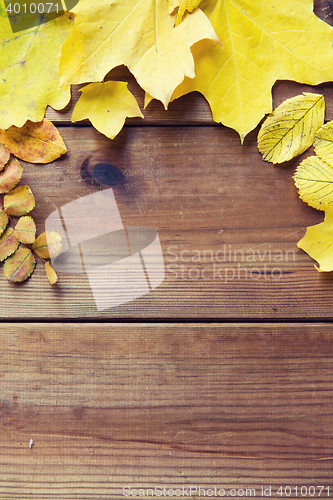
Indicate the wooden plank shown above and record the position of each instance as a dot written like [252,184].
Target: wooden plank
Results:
[193,109]
[228,224]
[109,406]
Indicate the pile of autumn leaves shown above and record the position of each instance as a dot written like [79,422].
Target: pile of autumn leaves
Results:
[232,52]
[18,243]
[289,131]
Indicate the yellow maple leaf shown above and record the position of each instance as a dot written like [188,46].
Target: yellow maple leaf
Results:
[138,34]
[318,241]
[183,6]
[263,41]
[173,5]
[314,180]
[323,143]
[291,128]
[29,70]
[106,105]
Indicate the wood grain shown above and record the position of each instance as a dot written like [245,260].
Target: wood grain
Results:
[191,109]
[239,406]
[227,221]
[234,406]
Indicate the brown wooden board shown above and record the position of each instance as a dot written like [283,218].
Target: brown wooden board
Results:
[142,406]
[90,407]
[227,221]
[191,109]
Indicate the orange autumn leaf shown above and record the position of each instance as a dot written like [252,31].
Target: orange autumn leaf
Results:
[34,142]
[10,176]
[8,243]
[25,230]
[50,273]
[4,156]
[20,265]
[19,201]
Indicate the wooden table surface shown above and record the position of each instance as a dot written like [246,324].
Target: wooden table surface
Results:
[222,376]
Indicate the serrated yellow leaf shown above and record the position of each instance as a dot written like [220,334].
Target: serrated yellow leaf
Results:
[8,243]
[10,176]
[185,5]
[138,34]
[323,143]
[3,221]
[314,181]
[20,265]
[19,201]
[34,142]
[50,273]
[4,156]
[106,105]
[25,230]
[318,241]
[148,99]
[29,70]
[291,128]
[263,41]
[48,245]
[173,4]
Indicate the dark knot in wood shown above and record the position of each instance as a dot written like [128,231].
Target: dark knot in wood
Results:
[103,174]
